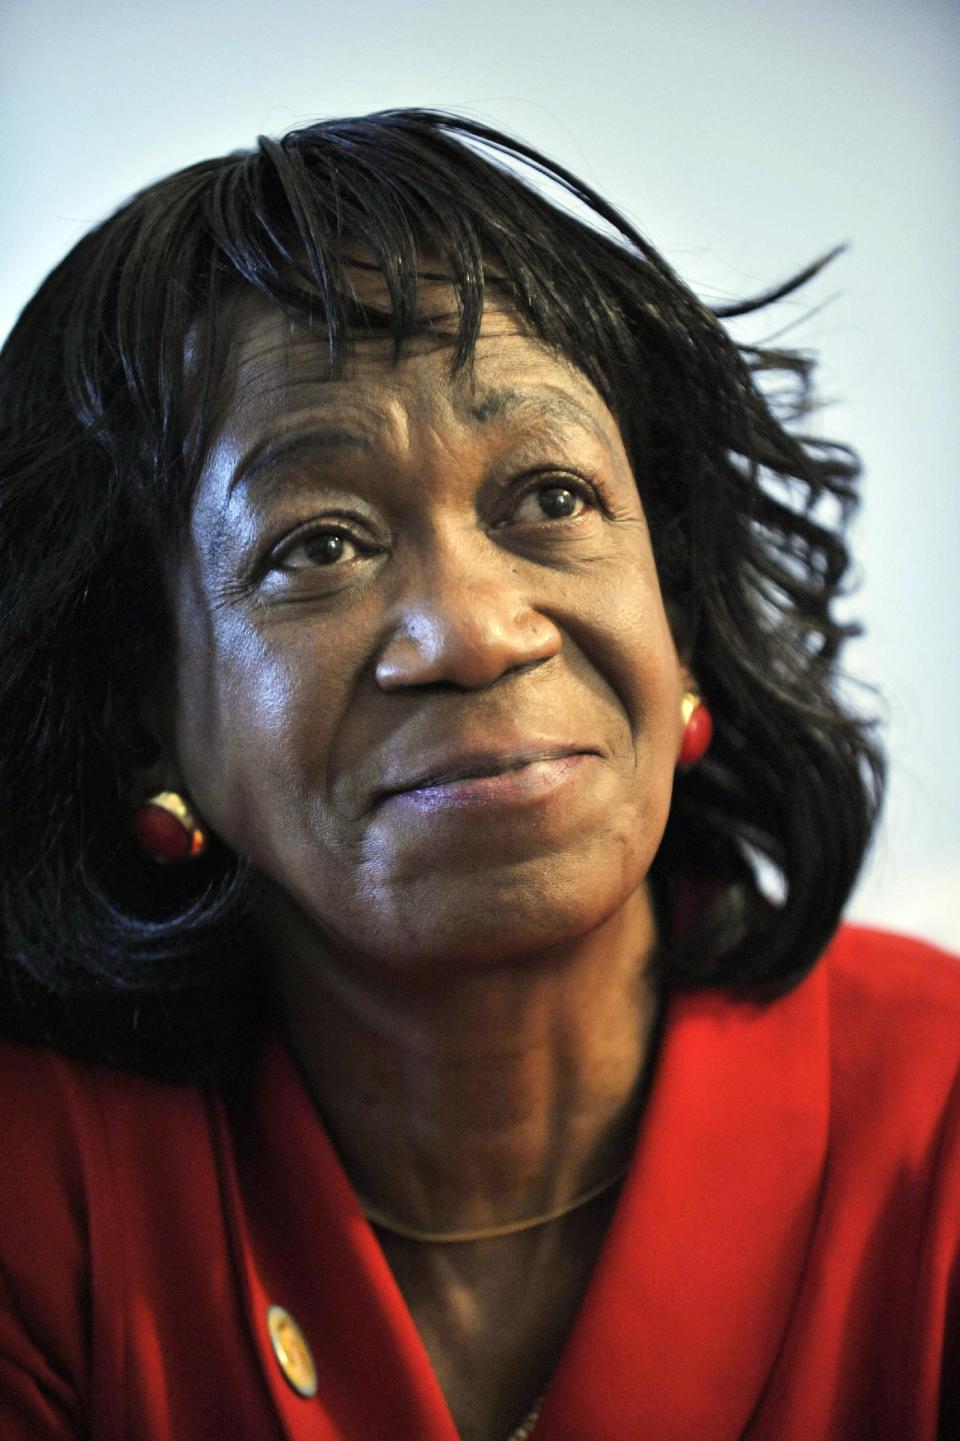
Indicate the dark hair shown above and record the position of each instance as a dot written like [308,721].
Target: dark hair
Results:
[104,416]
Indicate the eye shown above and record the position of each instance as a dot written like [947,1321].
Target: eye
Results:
[551,502]
[320,548]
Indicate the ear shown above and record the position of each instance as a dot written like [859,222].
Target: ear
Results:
[157,768]
[688,685]
[688,681]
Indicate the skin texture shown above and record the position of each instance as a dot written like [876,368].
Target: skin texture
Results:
[425,681]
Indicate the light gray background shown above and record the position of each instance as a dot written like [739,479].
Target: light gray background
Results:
[745,137]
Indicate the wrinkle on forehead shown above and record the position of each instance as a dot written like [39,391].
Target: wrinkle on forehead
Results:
[378,419]
[281,367]
[279,384]
[286,408]
[261,355]
[270,346]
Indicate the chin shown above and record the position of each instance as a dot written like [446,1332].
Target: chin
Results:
[527,911]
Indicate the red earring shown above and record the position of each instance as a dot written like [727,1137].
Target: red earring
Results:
[697,730]
[167,829]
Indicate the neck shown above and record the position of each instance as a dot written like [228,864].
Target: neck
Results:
[472,1098]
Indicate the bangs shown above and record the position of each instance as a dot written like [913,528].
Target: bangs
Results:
[412,195]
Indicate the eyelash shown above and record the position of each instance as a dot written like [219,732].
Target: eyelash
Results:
[588,493]
[582,490]
[278,558]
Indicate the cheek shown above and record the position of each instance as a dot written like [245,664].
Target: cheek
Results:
[653,665]
[252,719]
[622,630]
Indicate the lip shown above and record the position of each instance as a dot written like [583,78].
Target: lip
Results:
[488,777]
[472,763]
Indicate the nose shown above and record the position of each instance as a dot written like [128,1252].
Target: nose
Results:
[464,621]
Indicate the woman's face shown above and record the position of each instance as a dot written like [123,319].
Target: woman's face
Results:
[424,677]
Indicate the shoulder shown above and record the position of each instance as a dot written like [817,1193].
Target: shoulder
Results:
[886,963]
[894,1154]
[59,1107]
[47,1211]
[78,1143]
[895,989]
[893,1015]
[76,1135]
[70,1130]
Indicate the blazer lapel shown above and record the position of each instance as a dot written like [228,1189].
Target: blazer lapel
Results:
[301,1242]
[693,1290]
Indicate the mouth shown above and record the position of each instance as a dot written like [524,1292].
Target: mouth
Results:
[489,777]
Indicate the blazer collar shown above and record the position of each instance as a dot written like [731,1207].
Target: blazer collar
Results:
[693,1289]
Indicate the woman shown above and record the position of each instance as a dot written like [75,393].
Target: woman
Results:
[383,545]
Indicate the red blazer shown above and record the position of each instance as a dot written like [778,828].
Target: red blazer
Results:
[783,1264]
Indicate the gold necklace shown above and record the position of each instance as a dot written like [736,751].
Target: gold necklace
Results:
[527,1424]
[486,1233]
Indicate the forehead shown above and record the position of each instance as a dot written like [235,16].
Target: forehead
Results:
[290,426]
[278,370]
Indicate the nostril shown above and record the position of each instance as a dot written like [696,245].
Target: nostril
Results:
[470,648]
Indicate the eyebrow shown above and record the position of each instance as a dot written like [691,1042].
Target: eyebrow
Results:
[553,404]
[271,452]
